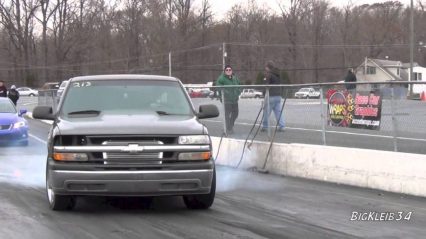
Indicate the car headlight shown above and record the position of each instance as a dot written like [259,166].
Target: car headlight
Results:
[70,157]
[194,139]
[19,124]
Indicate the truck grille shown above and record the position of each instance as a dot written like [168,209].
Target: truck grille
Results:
[132,157]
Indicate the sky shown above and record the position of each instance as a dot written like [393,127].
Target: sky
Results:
[220,7]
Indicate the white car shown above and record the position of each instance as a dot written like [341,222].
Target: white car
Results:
[26,91]
[251,93]
[307,93]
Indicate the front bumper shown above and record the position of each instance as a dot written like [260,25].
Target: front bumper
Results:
[14,135]
[131,182]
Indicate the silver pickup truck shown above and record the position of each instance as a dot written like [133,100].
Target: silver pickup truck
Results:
[128,135]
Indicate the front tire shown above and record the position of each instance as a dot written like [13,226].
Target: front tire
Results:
[58,202]
[202,201]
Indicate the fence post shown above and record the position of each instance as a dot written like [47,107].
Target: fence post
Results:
[394,123]
[266,111]
[323,116]
[222,95]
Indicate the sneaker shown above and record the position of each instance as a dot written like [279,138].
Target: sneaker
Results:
[231,131]
[262,129]
[281,129]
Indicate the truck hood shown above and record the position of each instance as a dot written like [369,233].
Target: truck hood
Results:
[131,124]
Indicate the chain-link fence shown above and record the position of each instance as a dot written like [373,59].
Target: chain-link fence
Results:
[372,116]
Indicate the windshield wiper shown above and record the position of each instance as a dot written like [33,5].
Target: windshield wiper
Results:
[85,112]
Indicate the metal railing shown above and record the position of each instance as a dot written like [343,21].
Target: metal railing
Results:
[399,123]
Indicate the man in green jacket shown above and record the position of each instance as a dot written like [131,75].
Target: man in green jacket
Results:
[231,96]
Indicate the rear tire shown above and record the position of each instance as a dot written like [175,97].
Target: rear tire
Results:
[31,95]
[202,201]
[58,202]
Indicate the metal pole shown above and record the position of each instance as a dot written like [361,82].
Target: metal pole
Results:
[223,55]
[411,45]
[170,63]
[323,116]
[394,123]
[222,91]
[266,112]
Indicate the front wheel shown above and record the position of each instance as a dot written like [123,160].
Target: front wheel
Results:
[58,202]
[202,201]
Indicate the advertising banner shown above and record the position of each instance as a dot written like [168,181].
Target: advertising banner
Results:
[361,111]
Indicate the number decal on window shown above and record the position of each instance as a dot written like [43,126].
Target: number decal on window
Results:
[82,84]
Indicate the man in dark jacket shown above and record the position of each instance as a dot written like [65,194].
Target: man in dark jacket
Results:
[275,97]
[13,94]
[231,96]
[350,77]
[3,89]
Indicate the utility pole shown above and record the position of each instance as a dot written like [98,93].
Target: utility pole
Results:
[170,63]
[411,46]
[223,56]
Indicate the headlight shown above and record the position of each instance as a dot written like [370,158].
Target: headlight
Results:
[195,156]
[194,139]
[70,157]
[19,124]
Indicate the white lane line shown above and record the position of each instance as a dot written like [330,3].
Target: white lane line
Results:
[333,132]
[37,138]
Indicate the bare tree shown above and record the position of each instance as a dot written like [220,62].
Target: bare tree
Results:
[17,17]
[293,15]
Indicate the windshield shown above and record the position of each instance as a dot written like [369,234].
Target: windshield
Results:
[125,96]
[304,90]
[7,107]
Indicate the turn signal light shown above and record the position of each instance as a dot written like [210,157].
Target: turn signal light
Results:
[195,156]
[70,157]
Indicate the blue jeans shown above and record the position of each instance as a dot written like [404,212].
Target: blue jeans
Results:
[275,105]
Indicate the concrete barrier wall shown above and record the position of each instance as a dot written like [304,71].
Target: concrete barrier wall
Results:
[388,171]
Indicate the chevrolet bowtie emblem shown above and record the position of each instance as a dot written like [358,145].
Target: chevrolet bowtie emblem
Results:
[133,149]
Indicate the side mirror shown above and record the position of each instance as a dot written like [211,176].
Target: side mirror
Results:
[22,112]
[208,111]
[43,112]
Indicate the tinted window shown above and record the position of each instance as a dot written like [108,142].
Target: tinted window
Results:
[126,96]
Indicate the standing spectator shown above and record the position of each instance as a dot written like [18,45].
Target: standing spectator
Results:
[13,94]
[350,77]
[275,97]
[3,89]
[231,96]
